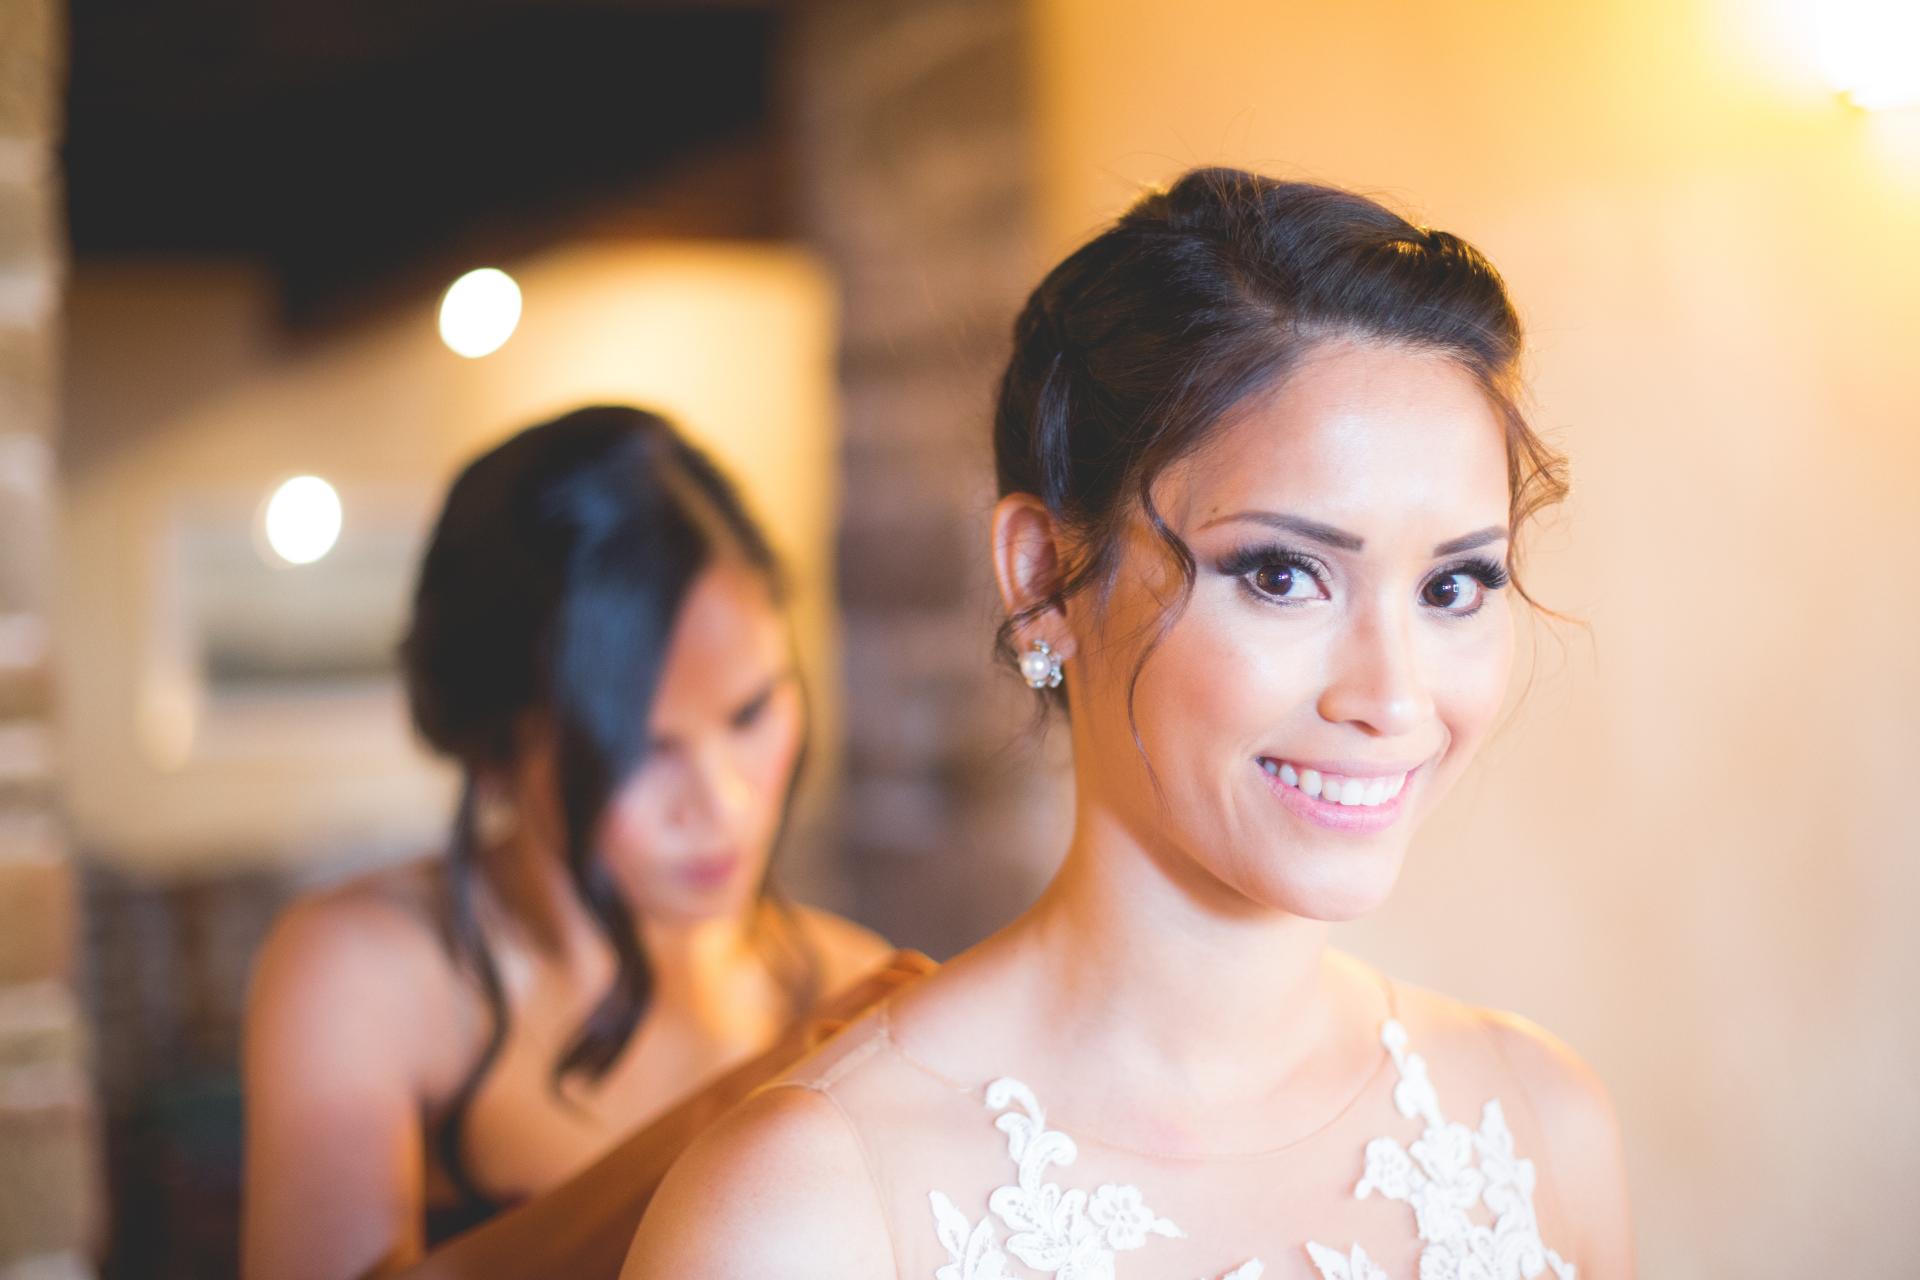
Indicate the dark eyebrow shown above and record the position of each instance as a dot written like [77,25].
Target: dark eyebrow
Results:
[1467,542]
[1325,534]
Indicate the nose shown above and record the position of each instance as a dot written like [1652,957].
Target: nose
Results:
[1376,682]
[716,795]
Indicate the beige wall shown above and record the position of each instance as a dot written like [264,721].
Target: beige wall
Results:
[183,396]
[1692,853]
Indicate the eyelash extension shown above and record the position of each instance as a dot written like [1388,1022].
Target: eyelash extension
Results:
[1491,573]
[1239,563]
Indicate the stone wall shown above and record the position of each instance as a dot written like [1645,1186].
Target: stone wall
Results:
[48,1188]
[913,150]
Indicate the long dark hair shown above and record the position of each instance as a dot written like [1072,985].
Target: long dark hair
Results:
[551,582]
[1135,348]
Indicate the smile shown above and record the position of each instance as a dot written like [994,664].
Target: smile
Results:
[1334,788]
[1344,802]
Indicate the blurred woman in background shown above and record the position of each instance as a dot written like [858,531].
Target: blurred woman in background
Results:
[599,641]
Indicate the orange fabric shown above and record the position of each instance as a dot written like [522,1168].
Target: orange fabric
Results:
[581,1229]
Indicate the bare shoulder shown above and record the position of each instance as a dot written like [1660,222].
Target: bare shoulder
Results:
[1584,1158]
[1567,1095]
[846,950]
[779,1188]
[353,930]
[1574,1109]
[352,1024]
[352,965]
[1444,1029]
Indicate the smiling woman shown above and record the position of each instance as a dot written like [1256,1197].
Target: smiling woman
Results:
[1359,663]
[1262,469]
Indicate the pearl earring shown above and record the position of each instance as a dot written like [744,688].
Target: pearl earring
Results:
[1040,666]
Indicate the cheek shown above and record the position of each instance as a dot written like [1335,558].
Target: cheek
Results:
[647,825]
[764,756]
[1225,682]
[633,834]
[1470,686]
[770,750]
[1212,695]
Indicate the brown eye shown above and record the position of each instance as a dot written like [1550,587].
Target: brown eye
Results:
[1285,582]
[1274,579]
[1453,592]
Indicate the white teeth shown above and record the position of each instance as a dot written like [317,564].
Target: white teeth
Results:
[1351,792]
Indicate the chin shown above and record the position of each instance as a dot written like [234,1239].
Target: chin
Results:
[1332,886]
[675,906]
[691,909]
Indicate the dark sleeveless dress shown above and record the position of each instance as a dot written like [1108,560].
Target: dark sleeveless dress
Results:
[471,1205]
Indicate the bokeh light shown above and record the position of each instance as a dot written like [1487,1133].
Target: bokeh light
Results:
[303,520]
[1870,50]
[480,312]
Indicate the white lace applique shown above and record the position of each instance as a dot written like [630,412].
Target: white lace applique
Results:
[1335,1266]
[1067,1233]
[1442,1175]
[1437,1176]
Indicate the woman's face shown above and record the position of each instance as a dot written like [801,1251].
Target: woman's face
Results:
[1347,635]
[688,834]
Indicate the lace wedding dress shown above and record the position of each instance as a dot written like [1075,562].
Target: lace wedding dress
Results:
[977,1183]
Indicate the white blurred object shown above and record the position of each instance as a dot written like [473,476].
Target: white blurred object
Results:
[480,312]
[302,520]
[1870,50]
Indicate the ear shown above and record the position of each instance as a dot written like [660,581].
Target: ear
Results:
[1028,565]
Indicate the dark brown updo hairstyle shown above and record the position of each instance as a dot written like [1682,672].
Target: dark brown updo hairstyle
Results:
[551,584]
[1134,350]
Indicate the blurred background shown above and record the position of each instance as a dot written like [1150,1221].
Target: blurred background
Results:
[236,374]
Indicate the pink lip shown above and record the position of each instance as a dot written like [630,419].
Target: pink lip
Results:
[709,873]
[1340,817]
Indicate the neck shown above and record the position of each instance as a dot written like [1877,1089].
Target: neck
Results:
[694,963]
[1146,958]
[697,963]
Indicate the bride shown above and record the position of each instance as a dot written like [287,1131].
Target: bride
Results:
[1262,464]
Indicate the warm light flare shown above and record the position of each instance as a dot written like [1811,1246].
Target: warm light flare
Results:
[480,312]
[302,520]
[1870,49]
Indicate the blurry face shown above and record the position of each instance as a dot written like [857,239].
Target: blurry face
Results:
[688,834]
[1346,645]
